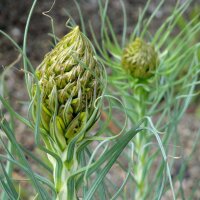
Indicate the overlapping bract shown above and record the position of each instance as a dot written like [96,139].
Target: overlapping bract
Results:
[140,59]
[69,80]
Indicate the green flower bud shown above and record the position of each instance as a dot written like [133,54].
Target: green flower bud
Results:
[140,59]
[69,80]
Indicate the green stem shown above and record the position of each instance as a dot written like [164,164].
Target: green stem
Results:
[67,190]
[140,140]
[64,184]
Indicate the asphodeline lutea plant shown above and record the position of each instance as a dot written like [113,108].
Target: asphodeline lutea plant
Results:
[144,72]
[69,83]
[140,60]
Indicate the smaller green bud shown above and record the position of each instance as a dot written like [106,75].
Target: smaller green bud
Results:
[140,59]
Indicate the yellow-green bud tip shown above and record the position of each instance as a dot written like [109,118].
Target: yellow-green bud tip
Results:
[140,59]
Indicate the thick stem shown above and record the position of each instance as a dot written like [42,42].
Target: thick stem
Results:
[68,190]
[64,185]
[140,141]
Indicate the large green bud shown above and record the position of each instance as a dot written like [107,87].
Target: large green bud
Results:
[140,59]
[69,81]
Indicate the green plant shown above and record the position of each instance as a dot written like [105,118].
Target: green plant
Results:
[164,96]
[70,81]
[70,65]
[70,88]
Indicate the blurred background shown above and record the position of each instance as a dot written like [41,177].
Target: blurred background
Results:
[13,16]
